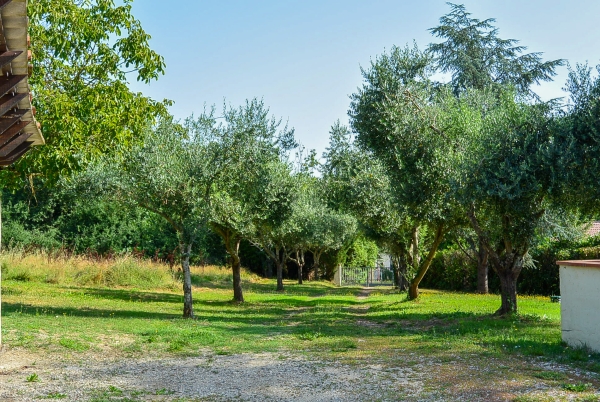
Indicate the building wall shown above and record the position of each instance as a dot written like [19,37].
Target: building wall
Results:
[580,306]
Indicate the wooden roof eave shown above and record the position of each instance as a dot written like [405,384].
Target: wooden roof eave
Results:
[14,20]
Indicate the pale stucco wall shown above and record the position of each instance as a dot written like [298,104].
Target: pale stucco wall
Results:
[580,306]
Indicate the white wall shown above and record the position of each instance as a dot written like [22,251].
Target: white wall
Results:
[580,305]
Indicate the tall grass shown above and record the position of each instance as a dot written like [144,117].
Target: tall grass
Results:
[118,272]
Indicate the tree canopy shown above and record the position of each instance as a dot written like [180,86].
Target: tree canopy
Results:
[84,54]
[476,57]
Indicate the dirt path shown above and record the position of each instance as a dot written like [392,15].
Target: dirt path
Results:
[364,293]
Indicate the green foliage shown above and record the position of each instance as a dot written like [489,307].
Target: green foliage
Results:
[477,58]
[398,115]
[33,378]
[83,53]
[64,218]
[451,269]
[578,387]
[508,170]
[581,131]
[251,189]
[362,253]
[475,144]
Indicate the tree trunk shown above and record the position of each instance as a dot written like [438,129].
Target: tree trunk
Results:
[507,261]
[279,256]
[232,245]
[508,292]
[414,253]
[482,269]
[413,291]
[236,267]
[508,267]
[402,272]
[316,257]
[0,273]
[396,270]
[300,263]
[188,307]
[279,277]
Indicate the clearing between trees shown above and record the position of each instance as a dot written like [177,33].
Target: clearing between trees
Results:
[104,341]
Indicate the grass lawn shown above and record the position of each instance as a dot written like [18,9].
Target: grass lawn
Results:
[452,331]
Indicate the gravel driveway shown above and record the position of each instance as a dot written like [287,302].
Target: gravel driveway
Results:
[245,377]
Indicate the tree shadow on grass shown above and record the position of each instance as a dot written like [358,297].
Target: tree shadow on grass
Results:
[332,315]
[310,289]
[323,302]
[29,309]
[439,333]
[129,295]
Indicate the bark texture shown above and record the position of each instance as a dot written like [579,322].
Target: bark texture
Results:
[232,246]
[299,261]
[413,291]
[236,267]
[508,267]
[278,254]
[316,258]
[482,269]
[506,260]
[400,262]
[188,307]
[279,276]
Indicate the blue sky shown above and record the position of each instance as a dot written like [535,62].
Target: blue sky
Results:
[303,57]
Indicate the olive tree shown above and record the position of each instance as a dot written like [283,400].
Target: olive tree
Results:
[510,175]
[170,174]
[399,114]
[358,183]
[272,232]
[245,197]
[476,57]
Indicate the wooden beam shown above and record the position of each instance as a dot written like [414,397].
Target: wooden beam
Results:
[4,2]
[8,83]
[16,154]
[13,144]
[7,57]
[14,113]
[9,134]
[7,122]
[7,102]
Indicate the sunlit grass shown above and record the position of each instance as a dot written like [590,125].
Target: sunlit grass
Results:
[315,318]
[124,271]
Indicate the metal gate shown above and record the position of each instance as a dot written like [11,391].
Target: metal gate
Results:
[367,276]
